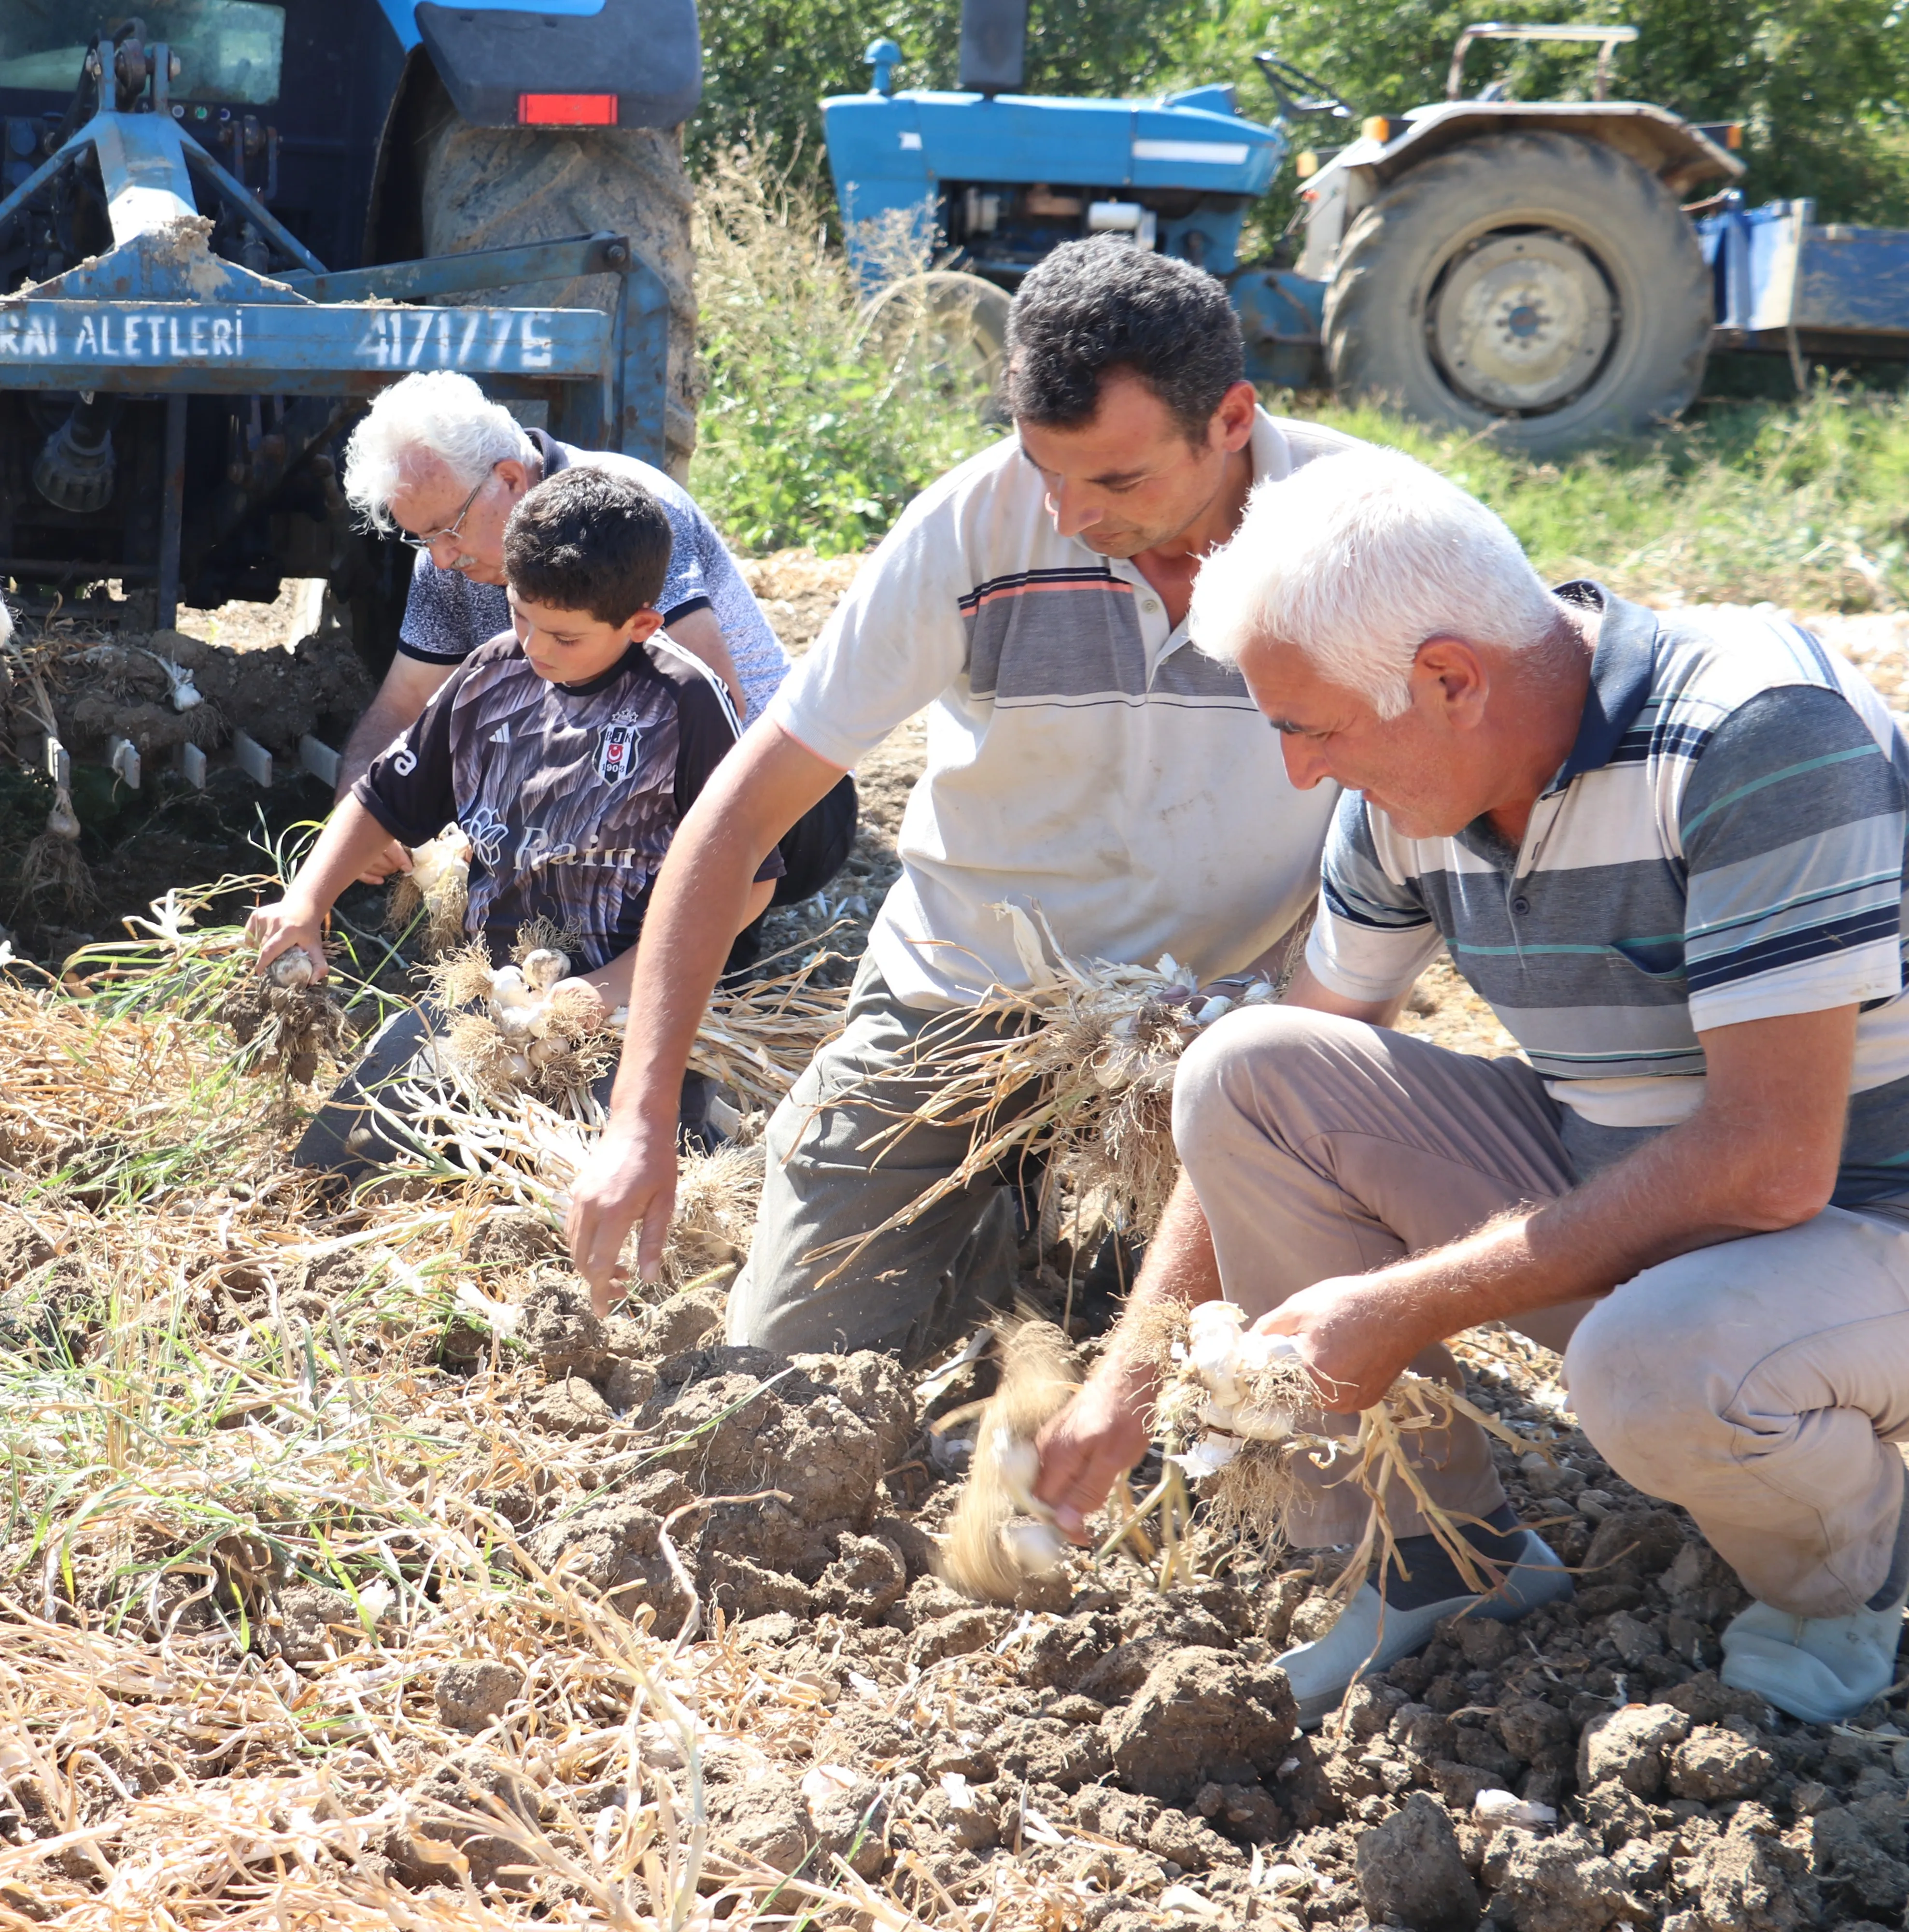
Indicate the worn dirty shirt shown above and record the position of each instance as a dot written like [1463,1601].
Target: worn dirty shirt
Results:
[1083,756]
[447,617]
[569,793]
[1725,843]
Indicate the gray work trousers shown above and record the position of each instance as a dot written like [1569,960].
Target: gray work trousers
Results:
[825,1184]
[1760,1383]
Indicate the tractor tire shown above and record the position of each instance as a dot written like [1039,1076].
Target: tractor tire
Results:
[494,188]
[951,326]
[1539,287]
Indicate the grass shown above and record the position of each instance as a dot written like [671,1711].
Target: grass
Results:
[812,435]
[1800,503]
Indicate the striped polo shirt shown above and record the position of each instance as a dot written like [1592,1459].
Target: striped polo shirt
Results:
[1081,755]
[1725,843]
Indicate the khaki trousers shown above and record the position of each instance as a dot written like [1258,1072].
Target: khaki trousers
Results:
[826,1181]
[1760,1384]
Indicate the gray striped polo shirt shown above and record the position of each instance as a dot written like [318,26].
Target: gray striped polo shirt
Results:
[1725,843]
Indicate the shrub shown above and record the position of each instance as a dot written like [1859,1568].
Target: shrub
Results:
[813,429]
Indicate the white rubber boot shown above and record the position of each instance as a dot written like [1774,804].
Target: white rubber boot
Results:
[1823,1670]
[1372,1634]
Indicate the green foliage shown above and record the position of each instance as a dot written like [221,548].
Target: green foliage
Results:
[1819,84]
[812,429]
[1797,503]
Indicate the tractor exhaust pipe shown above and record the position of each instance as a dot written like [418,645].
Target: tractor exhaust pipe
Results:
[74,469]
[993,45]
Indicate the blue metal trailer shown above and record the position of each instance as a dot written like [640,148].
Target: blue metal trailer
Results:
[215,247]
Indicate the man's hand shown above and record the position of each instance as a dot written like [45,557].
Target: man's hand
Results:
[1353,1336]
[1097,1437]
[630,1182]
[385,864]
[293,921]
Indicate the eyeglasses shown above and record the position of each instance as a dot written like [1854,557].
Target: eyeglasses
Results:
[455,528]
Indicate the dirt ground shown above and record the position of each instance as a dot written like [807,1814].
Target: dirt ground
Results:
[1101,1754]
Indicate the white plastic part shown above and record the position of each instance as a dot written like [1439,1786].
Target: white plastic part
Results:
[252,758]
[319,758]
[192,765]
[59,765]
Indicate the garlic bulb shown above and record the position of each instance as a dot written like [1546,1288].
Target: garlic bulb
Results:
[543,968]
[293,969]
[1037,1547]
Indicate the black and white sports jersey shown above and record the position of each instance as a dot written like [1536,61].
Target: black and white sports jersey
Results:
[569,794]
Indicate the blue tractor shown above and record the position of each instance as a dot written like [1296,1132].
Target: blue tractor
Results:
[1536,270]
[224,224]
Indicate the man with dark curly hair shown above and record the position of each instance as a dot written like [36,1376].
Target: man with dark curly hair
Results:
[1082,758]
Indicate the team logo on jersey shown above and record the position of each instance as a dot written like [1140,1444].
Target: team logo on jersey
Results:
[616,751]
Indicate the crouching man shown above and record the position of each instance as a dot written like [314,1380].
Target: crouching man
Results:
[1669,852]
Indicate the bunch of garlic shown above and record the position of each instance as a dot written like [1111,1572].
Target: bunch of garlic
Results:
[1223,1368]
[519,1004]
[1036,1546]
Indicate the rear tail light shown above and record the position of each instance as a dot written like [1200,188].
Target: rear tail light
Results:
[567,110]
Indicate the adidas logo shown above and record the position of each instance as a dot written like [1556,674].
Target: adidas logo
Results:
[501,736]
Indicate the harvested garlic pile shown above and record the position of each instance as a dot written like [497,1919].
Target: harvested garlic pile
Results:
[520,1027]
[1236,1386]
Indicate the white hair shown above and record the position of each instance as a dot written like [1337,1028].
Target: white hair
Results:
[1355,561]
[437,413]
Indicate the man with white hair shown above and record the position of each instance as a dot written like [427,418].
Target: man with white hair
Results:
[435,459]
[1669,852]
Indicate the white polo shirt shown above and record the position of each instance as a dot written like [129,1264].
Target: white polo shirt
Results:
[1081,755]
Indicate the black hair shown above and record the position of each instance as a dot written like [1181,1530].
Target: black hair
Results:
[585,540]
[1103,304]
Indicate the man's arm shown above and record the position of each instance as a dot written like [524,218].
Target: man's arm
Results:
[699,902]
[1102,1432]
[409,686]
[1761,1154]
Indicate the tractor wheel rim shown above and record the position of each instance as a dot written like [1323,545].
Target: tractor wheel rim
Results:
[1523,321]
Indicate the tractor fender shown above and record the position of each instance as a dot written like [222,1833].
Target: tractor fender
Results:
[1661,142]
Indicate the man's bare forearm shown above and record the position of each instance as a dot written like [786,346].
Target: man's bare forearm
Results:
[370,735]
[1761,1154]
[1180,1266]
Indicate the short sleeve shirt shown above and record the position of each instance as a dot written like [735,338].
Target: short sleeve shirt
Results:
[1083,756]
[569,794]
[447,617]
[1726,843]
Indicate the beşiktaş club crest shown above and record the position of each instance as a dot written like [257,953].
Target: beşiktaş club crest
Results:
[617,752]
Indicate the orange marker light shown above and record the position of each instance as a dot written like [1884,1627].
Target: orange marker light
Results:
[567,110]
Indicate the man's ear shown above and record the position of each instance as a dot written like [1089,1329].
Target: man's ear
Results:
[1231,426]
[643,625]
[516,477]
[1459,675]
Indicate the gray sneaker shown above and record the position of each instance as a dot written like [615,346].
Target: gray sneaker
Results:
[1372,1634]
[1822,1669]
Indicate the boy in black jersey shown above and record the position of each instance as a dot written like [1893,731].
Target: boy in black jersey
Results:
[567,750]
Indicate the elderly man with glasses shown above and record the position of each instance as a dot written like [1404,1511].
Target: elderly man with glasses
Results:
[439,462]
